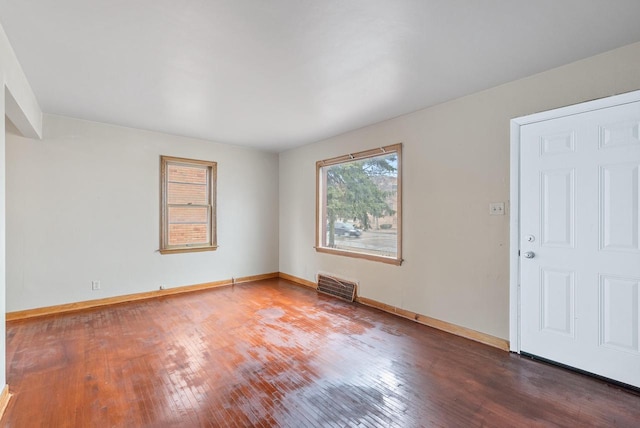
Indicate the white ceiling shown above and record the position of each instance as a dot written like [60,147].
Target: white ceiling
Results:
[282,73]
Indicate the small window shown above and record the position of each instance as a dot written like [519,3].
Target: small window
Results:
[359,205]
[188,205]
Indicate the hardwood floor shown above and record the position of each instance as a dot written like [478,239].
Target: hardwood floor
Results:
[271,353]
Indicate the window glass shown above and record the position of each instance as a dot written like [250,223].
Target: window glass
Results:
[359,205]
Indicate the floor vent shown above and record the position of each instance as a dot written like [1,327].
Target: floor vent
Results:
[337,287]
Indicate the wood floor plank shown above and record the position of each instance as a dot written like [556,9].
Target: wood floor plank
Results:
[272,354]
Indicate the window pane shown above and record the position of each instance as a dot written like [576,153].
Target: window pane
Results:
[188,215]
[360,206]
[184,234]
[187,174]
[188,225]
[179,193]
[187,185]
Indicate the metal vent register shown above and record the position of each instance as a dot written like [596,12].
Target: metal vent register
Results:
[337,287]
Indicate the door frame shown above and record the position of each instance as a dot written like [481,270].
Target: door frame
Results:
[514,195]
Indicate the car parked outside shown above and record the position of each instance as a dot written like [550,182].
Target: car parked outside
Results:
[346,229]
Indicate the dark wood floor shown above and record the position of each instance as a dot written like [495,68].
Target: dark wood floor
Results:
[273,354]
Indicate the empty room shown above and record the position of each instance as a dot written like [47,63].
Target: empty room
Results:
[357,213]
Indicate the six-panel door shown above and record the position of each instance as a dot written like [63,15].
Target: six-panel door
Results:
[580,216]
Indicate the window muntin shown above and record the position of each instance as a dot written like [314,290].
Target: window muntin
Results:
[359,205]
[187,214]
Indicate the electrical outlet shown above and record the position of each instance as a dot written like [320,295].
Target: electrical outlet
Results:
[496,208]
[95,285]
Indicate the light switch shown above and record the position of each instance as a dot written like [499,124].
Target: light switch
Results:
[496,208]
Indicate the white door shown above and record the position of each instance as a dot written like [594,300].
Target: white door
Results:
[580,241]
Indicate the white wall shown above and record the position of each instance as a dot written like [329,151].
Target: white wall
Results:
[456,161]
[83,205]
[18,102]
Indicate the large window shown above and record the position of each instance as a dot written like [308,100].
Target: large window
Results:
[359,205]
[188,204]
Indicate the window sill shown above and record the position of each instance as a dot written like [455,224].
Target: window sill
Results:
[388,260]
[187,250]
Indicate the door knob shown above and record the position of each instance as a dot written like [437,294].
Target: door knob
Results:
[529,255]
